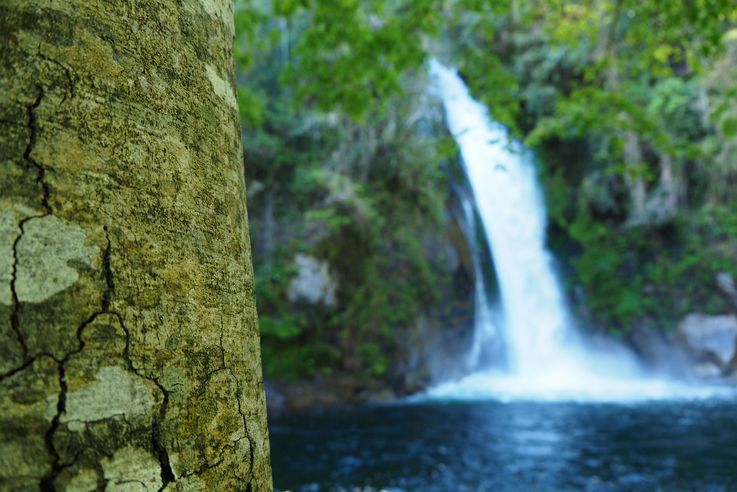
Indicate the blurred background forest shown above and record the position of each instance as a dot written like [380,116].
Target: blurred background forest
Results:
[364,274]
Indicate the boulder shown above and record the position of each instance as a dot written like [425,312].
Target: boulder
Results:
[325,391]
[659,352]
[313,282]
[706,370]
[710,338]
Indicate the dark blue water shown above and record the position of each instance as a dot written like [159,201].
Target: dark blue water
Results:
[493,446]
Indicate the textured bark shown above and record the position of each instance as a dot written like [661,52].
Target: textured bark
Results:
[129,356]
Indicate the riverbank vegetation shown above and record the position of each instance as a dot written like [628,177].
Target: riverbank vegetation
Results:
[630,107]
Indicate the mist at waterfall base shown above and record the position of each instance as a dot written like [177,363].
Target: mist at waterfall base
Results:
[559,414]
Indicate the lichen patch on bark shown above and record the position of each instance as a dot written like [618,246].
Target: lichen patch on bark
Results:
[216,8]
[221,87]
[47,253]
[115,392]
[132,470]
[85,480]
[11,215]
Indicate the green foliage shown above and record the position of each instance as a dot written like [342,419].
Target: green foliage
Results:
[350,55]
[729,127]
[341,165]
[284,328]
[658,274]
[372,356]
[580,81]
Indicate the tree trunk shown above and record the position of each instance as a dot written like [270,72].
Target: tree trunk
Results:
[129,349]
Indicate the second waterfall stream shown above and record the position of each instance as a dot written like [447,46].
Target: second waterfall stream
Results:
[546,359]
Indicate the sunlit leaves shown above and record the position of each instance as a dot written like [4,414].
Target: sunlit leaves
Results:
[339,54]
[351,54]
[729,127]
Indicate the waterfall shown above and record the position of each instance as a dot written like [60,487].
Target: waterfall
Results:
[545,356]
[502,176]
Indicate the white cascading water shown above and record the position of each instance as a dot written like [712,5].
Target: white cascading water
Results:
[485,340]
[546,360]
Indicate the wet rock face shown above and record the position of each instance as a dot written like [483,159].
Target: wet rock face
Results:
[659,351]
[313,283]
[710,338]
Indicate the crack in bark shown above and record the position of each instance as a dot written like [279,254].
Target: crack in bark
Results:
[40,170]
[15,318]
[246,436]
[67,71]
[205,467]
[47,482]
[250,459]
[121,482]
[18,369]
[15,313]
[167,474]
[201,390]
[101,480]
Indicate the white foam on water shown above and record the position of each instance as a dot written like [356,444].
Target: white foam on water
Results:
[585,387]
